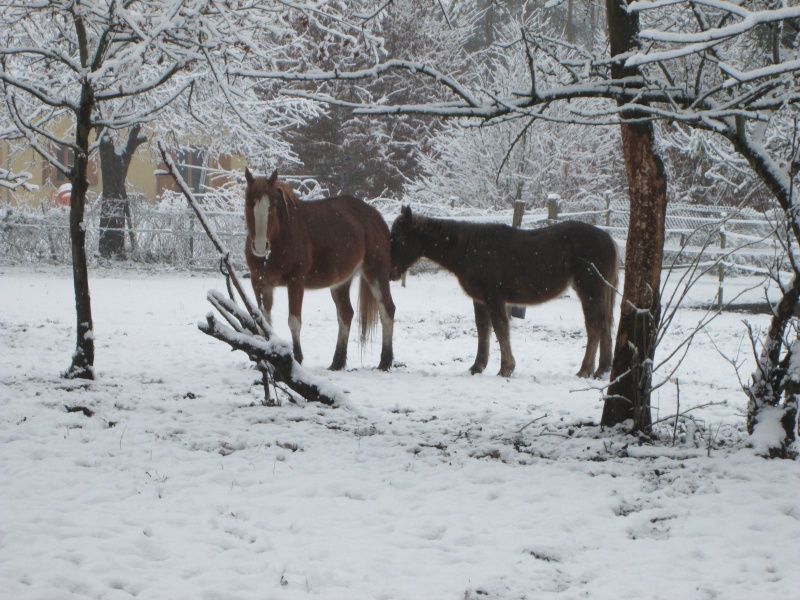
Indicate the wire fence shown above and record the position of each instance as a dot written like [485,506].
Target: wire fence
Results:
[167,234]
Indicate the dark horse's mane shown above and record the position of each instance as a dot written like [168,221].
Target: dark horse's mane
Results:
[461,234]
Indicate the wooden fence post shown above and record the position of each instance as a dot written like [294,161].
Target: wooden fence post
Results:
[552,207]
[607,194]
[519,211]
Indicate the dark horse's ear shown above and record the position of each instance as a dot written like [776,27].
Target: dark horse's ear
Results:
[273,179]
[248,176]
[405,212]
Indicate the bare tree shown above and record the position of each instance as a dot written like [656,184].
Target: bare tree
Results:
[745,90]
[73,73]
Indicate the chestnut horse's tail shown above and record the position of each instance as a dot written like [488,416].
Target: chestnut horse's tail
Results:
[367,311]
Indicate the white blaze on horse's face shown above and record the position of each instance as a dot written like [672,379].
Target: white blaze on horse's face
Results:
[260,246]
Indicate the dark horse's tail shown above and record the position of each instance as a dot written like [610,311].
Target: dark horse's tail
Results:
[610,294]
[367,311]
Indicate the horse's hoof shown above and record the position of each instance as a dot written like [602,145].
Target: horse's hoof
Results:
[601,373]
[336,367]
[505,372]
[583,374]
[387,360]
[475,370]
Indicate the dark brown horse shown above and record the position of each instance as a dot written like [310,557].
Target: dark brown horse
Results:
[319,244]
[498,265]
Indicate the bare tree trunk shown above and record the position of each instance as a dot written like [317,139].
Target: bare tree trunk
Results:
[640,310]
[628,396]
[82,366]
[112,209]
[114,167]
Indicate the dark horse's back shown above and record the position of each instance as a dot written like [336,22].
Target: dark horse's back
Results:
[531,266]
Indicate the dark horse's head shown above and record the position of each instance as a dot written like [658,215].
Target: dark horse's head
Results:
[261,195]
[406,247]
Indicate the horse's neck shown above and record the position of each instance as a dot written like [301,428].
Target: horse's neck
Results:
[290,226]
[442,242]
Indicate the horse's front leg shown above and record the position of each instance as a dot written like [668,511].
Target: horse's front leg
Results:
[265,302]
[483,323]
[296,291]
[499,316]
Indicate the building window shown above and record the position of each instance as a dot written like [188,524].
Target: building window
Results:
[66,157]
[192,167]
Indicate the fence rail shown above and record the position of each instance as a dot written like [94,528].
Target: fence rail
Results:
[167,234]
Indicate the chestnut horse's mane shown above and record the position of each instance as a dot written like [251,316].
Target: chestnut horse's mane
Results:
[287,193]
[260,186]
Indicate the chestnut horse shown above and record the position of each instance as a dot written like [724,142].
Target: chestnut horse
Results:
[498,265]
[319,244]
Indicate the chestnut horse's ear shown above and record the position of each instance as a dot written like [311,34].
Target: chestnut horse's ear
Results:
[273,179]
[248,176]
[406,212]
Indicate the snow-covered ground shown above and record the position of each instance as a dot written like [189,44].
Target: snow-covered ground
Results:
[428,483]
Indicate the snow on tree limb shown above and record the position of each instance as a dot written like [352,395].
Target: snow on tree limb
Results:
[748,21]
[373,72]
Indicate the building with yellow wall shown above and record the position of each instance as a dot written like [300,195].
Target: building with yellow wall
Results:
[141,175]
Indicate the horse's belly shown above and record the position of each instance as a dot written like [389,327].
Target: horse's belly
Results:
[522,291]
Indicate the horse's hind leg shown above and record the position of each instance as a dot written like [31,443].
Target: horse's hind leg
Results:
[483,323]
[592,341]
[589,287]
[606,355]
[382,294]
[499,316]
[344,314]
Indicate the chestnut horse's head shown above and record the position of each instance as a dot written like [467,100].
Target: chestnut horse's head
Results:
[260,196]
[406,248]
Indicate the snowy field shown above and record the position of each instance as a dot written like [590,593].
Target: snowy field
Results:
[428,483]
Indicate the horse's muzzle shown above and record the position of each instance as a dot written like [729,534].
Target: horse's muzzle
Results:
[260,254]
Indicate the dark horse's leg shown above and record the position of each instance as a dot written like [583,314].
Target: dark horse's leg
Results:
[296,291]
[606,354]
[590,289]
[344,314]
[499,316]
[483,322]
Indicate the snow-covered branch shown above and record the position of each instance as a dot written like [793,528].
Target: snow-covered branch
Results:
[370,73]
[748,20]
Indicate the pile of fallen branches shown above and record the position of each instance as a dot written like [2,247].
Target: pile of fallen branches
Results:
[245,328]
